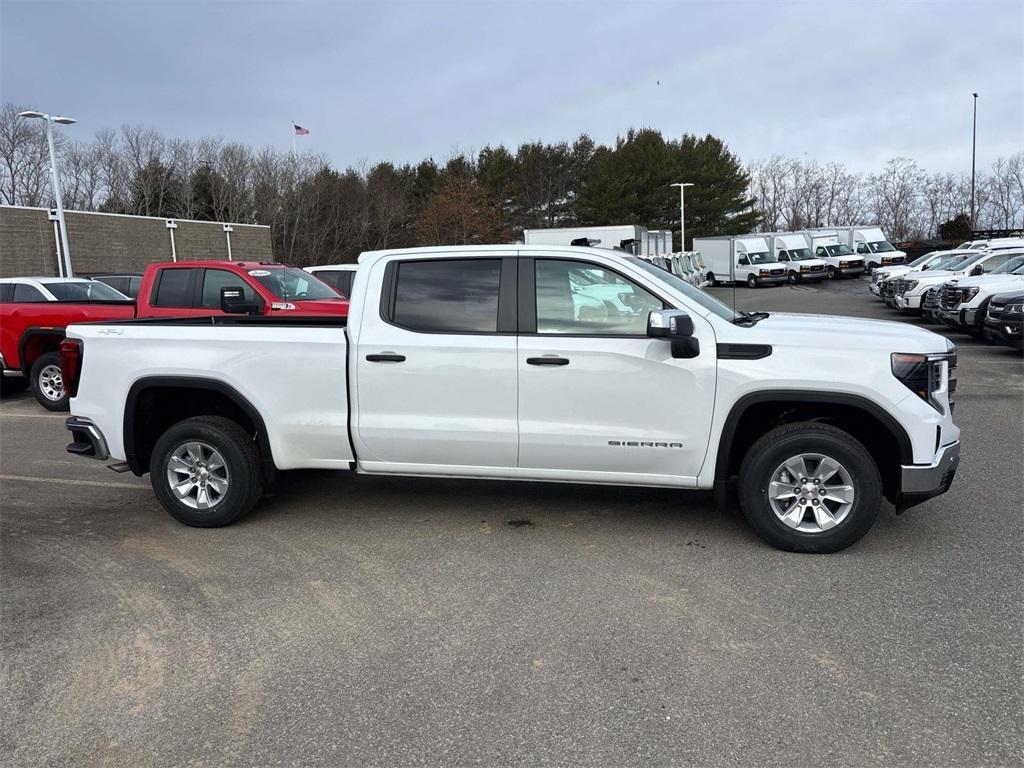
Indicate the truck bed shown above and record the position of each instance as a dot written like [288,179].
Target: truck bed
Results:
[291,371]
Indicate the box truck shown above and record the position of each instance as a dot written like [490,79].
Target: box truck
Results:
[870,243]
[745,258]
[841,260]
[790,250]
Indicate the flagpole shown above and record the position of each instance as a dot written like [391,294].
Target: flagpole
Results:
[293,138]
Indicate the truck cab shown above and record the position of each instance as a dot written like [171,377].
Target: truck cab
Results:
[791,250]
[873,245]
[840,258]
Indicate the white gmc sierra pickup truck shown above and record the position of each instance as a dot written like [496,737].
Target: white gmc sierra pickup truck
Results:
[530,363]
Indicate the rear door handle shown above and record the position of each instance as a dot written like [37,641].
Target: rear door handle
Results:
[386,357]
[547,360]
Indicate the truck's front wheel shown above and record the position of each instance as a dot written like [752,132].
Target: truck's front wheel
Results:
[809,487]
[752,281]
[206,471]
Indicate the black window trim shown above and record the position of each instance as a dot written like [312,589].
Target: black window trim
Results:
[527,304]
[507,315]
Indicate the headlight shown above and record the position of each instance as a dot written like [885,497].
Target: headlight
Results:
[912,284]
[1013,309]
[925,375]
[969,293]
[765,272]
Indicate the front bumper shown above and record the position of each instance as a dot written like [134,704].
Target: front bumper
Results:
[1008,332]
[772,279]
[920,482]
[88,440]
[907,303]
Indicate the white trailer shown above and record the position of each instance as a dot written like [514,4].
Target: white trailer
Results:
[630,238]
[790,250]
[872,244]
[744,258]
[825,245]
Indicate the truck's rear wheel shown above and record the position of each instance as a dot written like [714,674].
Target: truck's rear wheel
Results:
[809,487]
[206,471]
[47,382]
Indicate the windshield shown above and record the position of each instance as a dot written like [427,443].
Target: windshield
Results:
[800,254]
[941,262]
[290,284]
[882,246]
[761,257]
[839,250]
[85,290]
[696,294]
[928,257]
[953,266]
[1012,266]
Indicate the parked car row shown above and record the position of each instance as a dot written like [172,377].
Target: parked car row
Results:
[976,289]
[773,258]
[688,265]
[34,311]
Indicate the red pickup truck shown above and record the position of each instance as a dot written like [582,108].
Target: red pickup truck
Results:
[35,311]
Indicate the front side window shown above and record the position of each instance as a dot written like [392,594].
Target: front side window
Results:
[174,289]
[996,261]
[580,298]
[449,296]
[863,248]
[291,284]
[215,279]
[28,294]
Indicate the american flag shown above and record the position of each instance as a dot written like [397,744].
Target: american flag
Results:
[300,131]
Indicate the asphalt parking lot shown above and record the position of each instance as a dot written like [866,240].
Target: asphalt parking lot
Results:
[370,621]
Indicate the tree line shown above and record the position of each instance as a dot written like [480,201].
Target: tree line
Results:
[319,214]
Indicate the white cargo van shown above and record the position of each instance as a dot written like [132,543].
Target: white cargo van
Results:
[790,250]
[731,259]
[872,244]
[841,260]
[630,238]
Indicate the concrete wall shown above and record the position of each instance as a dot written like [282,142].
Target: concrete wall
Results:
[116,243]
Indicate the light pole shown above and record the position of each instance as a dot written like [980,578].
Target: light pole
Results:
[682,211]
[974,150]
[50,120]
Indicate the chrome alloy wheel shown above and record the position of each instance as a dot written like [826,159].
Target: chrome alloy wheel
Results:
[197,475]
[811,492]
[51,382]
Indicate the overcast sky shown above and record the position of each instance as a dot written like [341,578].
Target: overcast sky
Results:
[856,82]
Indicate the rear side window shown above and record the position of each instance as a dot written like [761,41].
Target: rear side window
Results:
[450,296]
[27,293]
[174,289]
[215,279]
[6,293]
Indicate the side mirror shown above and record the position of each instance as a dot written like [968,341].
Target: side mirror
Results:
[233,302]
[979,270]
[676,326]
[744,261]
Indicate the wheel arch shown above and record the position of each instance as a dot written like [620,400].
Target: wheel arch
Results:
[755,413]
[184,397]
[35,341]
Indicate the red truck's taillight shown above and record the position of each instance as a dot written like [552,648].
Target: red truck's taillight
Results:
[71,364]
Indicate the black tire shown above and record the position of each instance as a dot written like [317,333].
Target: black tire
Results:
[711,280]
[831,272]
[794,278]
[768,453]
[752,281]
[871,268]
[241,458]
[42,381]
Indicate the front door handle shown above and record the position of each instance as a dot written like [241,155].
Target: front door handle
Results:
[386,357]
[547,360]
